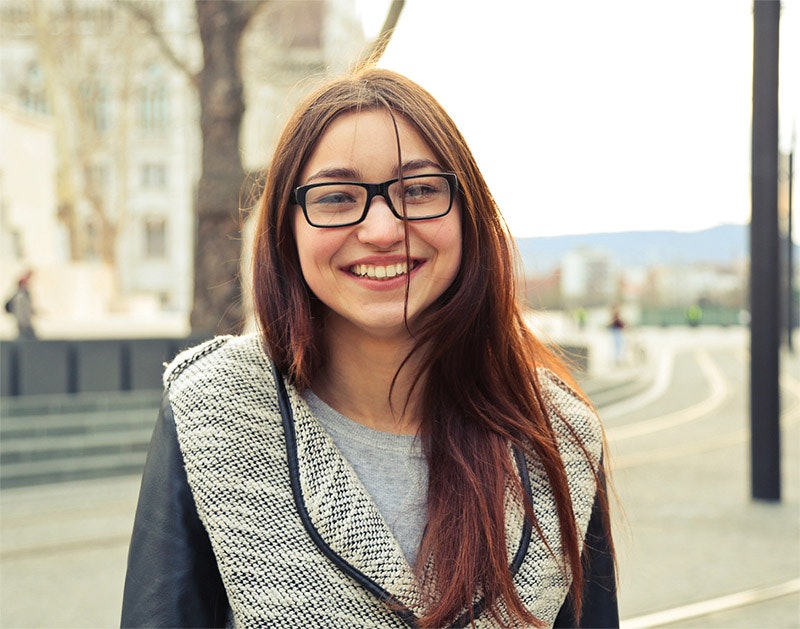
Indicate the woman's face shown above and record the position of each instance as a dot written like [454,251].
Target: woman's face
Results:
[359,272]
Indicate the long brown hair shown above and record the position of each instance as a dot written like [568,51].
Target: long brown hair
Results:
[480,390]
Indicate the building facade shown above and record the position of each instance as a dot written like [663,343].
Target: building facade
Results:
[587,278]
[102,187]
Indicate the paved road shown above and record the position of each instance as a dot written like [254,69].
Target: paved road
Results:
[62,552]
[690,535]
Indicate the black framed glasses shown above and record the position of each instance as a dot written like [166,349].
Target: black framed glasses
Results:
[344,203]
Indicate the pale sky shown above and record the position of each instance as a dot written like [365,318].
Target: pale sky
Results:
[590,116]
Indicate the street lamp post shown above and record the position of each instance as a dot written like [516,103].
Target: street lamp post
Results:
[764,258]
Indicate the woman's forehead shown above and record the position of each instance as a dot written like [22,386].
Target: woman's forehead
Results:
[358,141]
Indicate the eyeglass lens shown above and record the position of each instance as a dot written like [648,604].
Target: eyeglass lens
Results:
[342,203]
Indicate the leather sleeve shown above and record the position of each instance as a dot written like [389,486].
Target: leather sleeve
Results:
[172,578]
[600,608]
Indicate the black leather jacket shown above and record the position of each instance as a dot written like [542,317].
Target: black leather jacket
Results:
[172,577]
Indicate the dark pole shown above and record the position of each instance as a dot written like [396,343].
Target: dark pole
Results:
[764,258]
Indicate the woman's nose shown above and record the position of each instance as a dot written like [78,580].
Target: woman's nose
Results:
[380,227]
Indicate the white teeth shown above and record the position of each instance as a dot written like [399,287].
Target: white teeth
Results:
[379,272]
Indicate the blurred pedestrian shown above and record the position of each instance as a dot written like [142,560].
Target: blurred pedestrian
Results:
[395,447]
[20,306]
[694,315]
[617,326]
[580,317]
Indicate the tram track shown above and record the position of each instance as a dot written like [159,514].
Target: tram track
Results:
[719,390]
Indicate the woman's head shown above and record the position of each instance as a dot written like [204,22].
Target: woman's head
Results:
[289,312]
[376,273]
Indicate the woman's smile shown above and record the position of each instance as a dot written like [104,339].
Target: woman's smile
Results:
[380,271]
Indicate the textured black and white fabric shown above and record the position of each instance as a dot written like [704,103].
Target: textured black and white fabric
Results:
[227,414]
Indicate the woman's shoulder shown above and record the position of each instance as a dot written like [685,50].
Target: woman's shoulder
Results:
[570,413]
[222,378]
[222,357]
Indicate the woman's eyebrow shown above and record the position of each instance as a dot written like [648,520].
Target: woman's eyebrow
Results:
[419,164]
[341,174]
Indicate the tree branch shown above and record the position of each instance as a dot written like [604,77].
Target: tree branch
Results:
[245,10]
[147,19]
[375,50]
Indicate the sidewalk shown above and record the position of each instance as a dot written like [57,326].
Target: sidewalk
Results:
[694,548]
[63,546]
[63,549]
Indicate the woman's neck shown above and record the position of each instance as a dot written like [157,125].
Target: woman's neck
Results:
[357,381]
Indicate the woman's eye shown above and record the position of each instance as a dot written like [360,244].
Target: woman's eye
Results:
[335,198]
[419,192]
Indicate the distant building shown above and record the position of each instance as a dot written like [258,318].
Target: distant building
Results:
[632,284]
[684,285]
[123,140]
[543,291]
[587,278]
[102,175]
[28,228]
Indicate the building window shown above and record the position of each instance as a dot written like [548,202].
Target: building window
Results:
[153,176]
[155,241]
[33,93]
[98,177]
[95,17]
[91,250]
[16,15]
[96,102]
[298,25]
[308,20]
[153,101]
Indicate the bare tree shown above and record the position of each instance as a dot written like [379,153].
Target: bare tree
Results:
[217,292]
[217,303]
[68,46]
[378,46]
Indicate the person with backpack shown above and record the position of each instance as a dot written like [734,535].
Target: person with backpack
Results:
[20,306]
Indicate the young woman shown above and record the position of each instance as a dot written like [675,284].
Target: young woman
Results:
[394,448]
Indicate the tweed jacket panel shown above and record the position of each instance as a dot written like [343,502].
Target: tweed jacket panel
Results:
[542,581]
[234,446]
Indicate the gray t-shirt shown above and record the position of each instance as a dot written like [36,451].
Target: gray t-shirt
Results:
[392,468]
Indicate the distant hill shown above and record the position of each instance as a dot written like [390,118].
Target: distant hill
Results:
[718,245]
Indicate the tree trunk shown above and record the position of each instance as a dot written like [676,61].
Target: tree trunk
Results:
[218,305]
[217,289]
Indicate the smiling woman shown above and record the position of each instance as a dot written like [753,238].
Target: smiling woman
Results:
[394,448]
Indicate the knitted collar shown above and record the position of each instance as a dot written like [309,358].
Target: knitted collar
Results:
[352,564]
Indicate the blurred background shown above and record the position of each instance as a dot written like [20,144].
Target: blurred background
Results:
[619,117]
[617,138]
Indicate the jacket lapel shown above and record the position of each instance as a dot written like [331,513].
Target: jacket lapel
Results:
[342,514]
[344,523]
